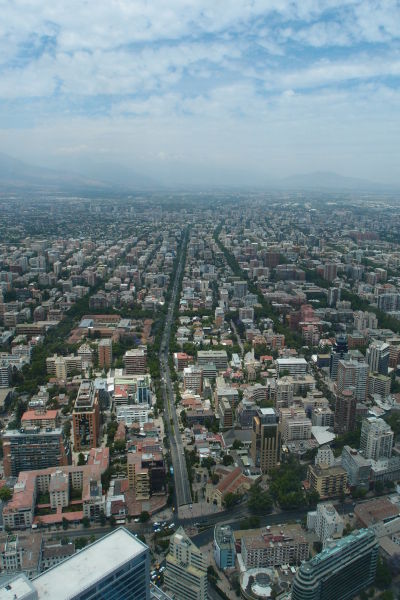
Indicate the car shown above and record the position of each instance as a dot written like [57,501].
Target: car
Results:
[171,526]
[157,530]
[136,520]
[162,569]
[156,524]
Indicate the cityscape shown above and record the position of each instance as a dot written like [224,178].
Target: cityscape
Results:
[209,383]
[200,300]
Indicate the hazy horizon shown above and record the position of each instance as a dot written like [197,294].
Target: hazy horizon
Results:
[241,93]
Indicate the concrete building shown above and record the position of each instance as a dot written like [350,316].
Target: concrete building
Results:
[295,366]
[329,482]
[345,411]
[341,570]
[357,467]
[225,412]
[224,547]
[105,353]
[378,357]
[274,546]
[135,361]
[376,439]
[326,522]
[217,357]
[193,379]
[32,448]
[42,418]
[379,384]
[266,441]
[325,456]
[86,417]
[352,374]
[186,569]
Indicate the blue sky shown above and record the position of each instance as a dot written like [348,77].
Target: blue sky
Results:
[218,91]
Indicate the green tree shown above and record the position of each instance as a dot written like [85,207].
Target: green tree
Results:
[5,494]
[383,577]
[81,459]
[144,516]
[86,522]
[103,519]
[230,500]
[227,460]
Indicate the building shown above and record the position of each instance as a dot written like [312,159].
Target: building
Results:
[5,374]
[379,384]
[116,567]
[345,412]
[135,361]
[329,482]
[266,440]
[376,439]
[274,546]
[186,569]
[42,418]
[105,353]
[326,522]
[364,320]
[133,413]
[181,360]
[62,367]
[325,456]
[339,351]
[357,467]
[378,357]
[32,448]
[341,570]
[217,357]
[352,374]
[230,482]
[224,547]
[86,417]
[226,418]
[294,366]
[193,379]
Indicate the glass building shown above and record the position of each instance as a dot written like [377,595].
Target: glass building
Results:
[342,570]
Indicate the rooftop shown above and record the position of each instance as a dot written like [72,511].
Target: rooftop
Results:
[84,568]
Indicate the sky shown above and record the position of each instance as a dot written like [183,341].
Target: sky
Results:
[203,91]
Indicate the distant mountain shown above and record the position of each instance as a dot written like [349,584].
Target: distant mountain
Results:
[17,174]
[327,180]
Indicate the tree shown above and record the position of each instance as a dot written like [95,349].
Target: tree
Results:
[86,522]
[102,518]
[81,459]
[119,446]
[230,500]
[144,516]
[227,460]
[383,577]
[379,487]
[65,523]
[113,522]
[237,444]
[5,494]
[259,499]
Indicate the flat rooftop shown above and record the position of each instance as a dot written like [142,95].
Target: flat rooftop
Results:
[86,567]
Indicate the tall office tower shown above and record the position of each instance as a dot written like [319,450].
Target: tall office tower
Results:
[345,412]
[266,440]
[32,448]
[330,271]
[86,417]
[339,351]
[105,353]
[376,440]
[333,296]
[115,567]
[352,374]
[186,569]
[378,357]
[340,571]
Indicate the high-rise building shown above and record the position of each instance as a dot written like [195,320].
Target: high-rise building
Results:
[266,440]
[105,353]
[186,569]
[345,411]
[32,448]
[326,522]
[86,417]
[378,357]
[341,570]
[329,482]
[339,351]
[353,374]
[115,567]
[376,440]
